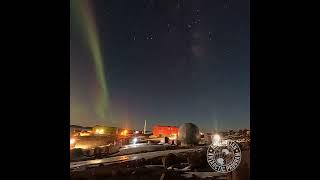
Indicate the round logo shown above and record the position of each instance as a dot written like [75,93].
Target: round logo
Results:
[224,158]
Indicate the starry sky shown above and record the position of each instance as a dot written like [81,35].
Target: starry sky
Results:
[164,61]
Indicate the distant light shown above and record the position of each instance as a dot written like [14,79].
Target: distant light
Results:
[84,134]
[99,131]
[137,132]
[216,140]
[216,137]
[81,146]
[72,141]
[134,140]
[173,137]
[124,132]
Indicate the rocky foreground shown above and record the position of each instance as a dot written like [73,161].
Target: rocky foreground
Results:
[186,165]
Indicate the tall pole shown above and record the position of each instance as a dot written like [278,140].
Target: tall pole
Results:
[145,127]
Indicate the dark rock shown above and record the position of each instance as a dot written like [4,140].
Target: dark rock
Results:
[243,171]
[106,149]
[141,171]
[154,161]
[124,171]
[76,153]
[82,175]
[182,157]
[86,152]
[169,160]
[89,152]
[102,171]
[179,166]
[163,175]
[166,140]
[194,160]
[115,172]
[102,150]
[141,162]
[97,150]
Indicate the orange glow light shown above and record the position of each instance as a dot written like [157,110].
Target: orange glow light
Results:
[124,132]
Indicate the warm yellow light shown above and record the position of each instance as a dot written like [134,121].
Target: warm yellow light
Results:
[81,146]
[124,132]
[216,140]
[72,141]
[216,137]
[173,137]
[84,134]
[99,131]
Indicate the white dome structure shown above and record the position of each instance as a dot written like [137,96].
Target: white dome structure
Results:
[188,134]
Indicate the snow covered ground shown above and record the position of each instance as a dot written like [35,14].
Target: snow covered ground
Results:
[143,147]
[130,157]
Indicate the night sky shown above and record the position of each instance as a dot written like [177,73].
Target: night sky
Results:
[164,61]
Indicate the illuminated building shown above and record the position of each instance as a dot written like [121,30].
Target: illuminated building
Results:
[104,130]
[165,131]
[78,130]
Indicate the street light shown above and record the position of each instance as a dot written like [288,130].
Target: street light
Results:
[134,141]
[72,141]
[216,140]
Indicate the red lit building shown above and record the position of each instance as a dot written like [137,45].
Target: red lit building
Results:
[165,130]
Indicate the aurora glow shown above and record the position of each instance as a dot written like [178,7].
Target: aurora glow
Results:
[190,71]
[88,22]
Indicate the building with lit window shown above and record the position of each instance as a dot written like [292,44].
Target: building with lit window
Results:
[165,131]
[104,130]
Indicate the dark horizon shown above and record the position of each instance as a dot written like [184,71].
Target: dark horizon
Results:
[167,62]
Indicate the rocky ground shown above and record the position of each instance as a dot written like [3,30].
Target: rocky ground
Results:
[186,165]
[78,154]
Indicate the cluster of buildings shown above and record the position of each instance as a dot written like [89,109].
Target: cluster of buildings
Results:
[186,134]
[158,131]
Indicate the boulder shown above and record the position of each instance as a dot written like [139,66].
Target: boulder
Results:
[195,160]
[76,153]
[170,160]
